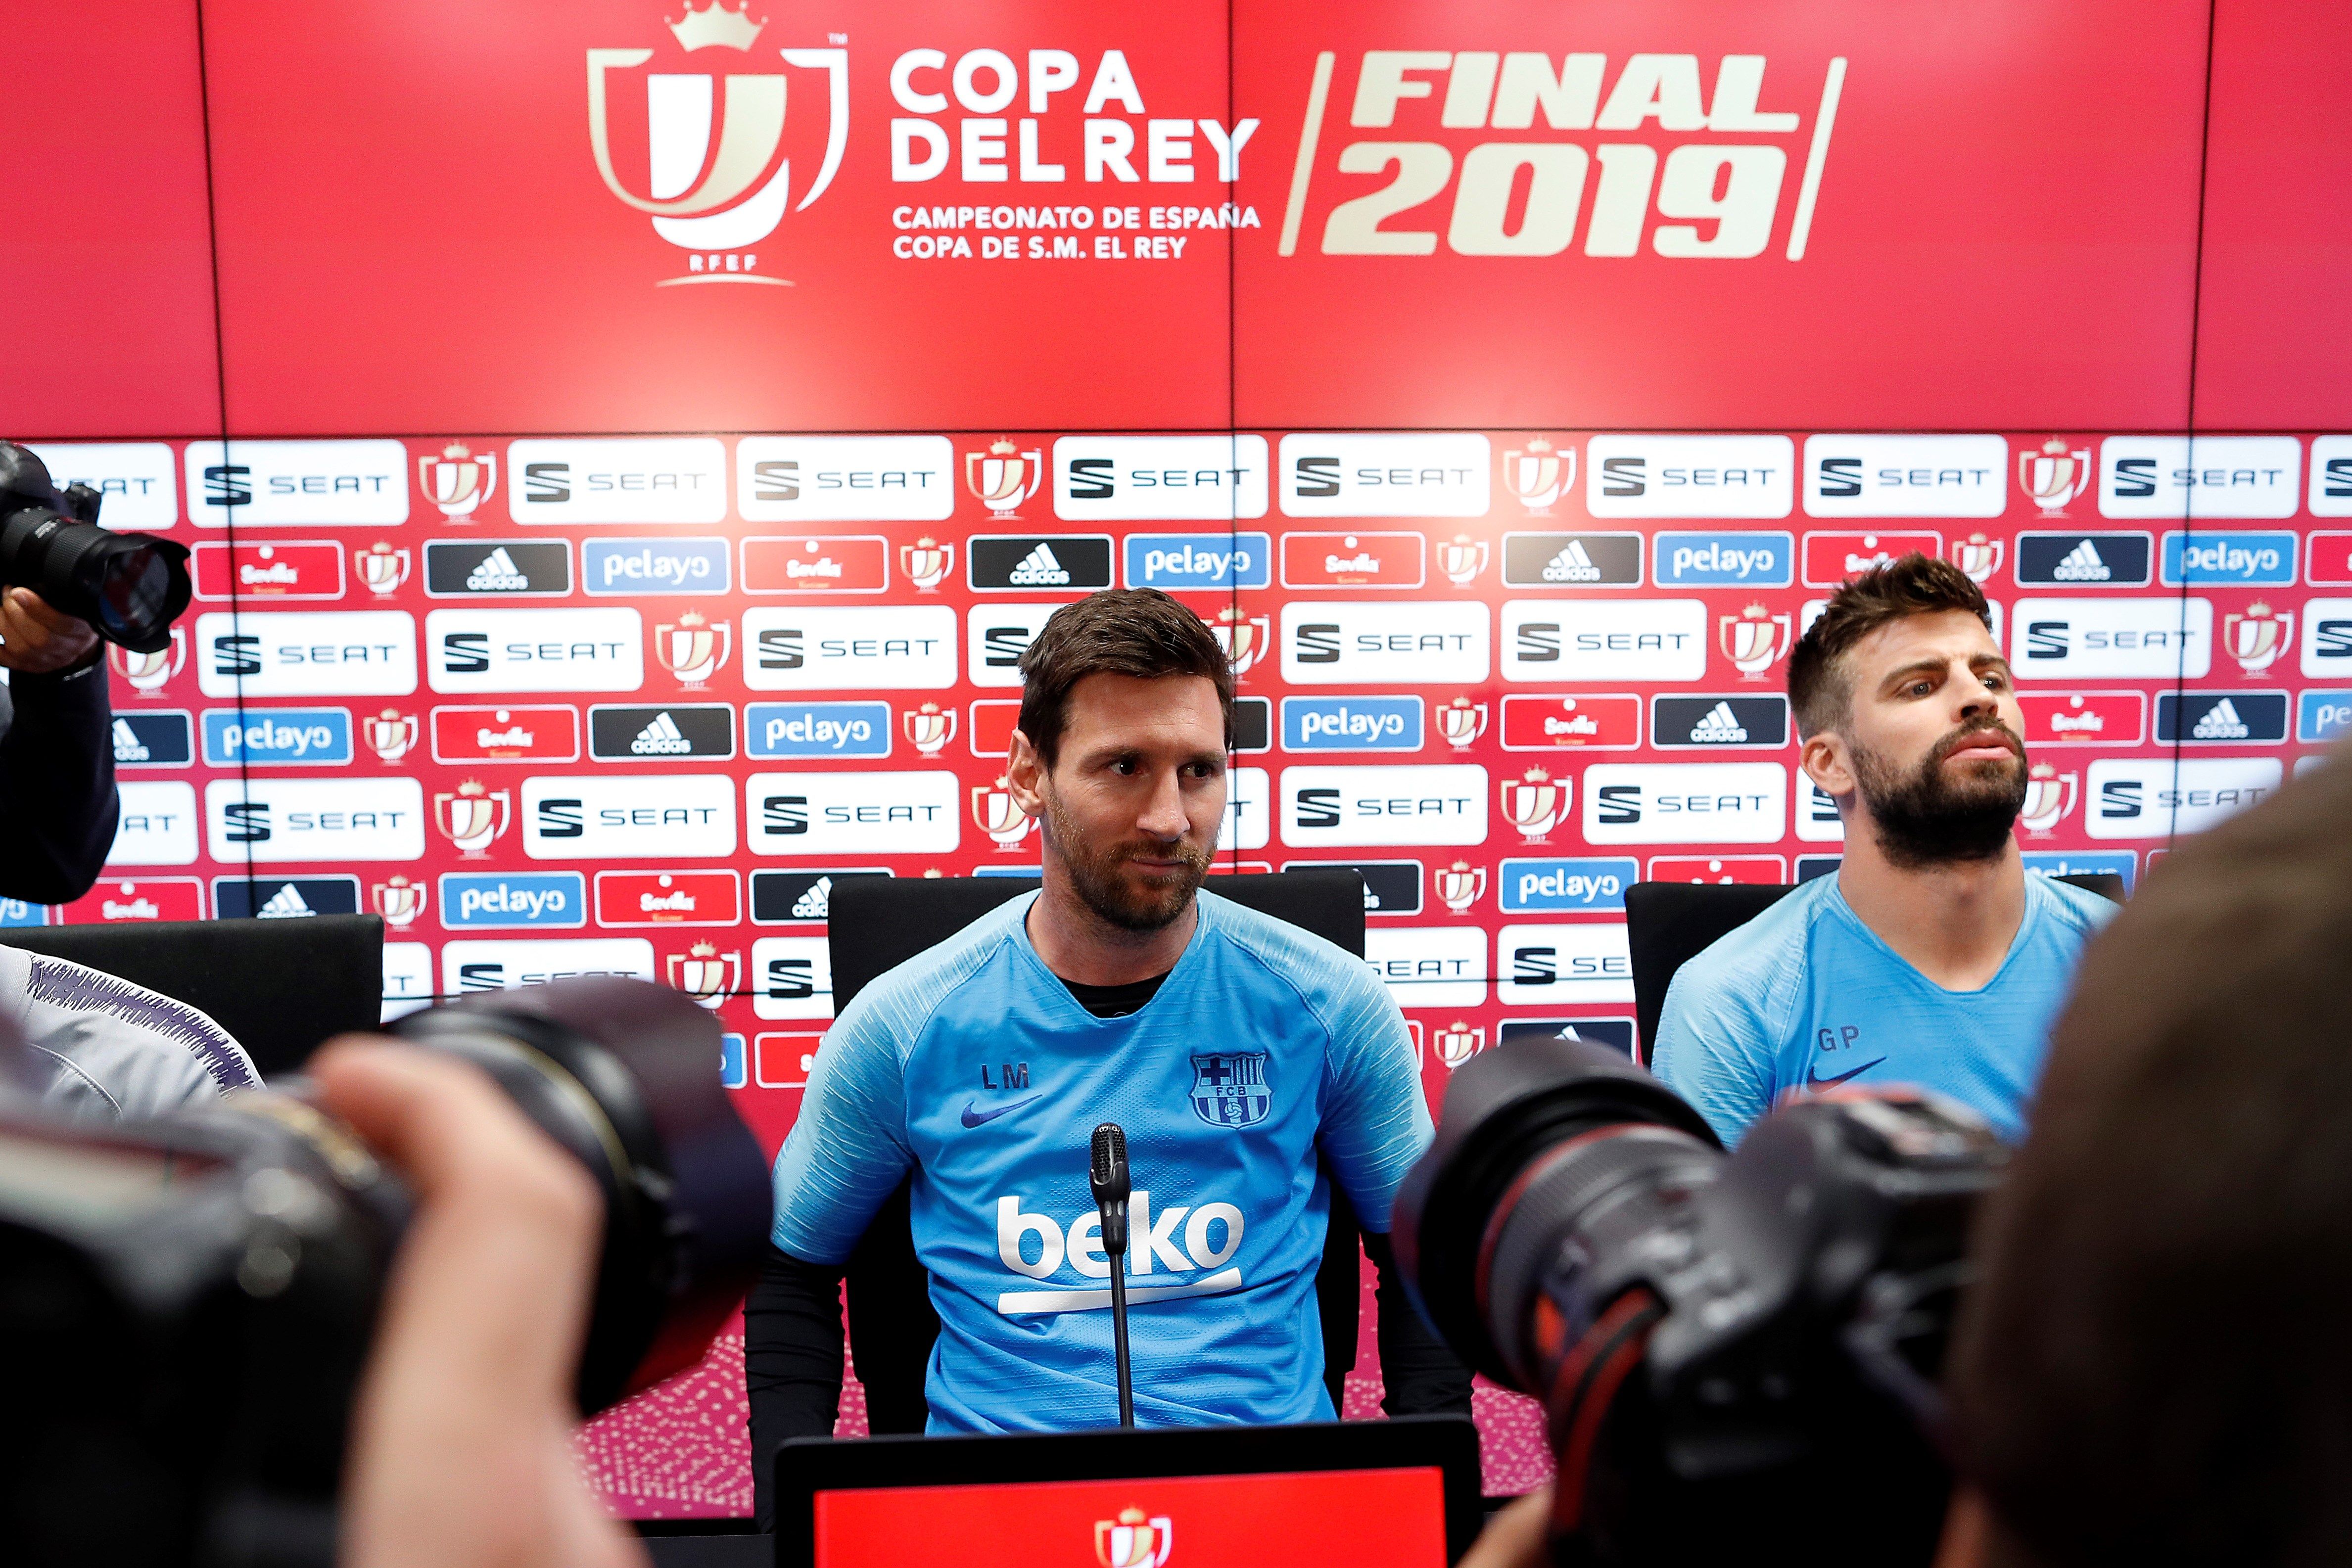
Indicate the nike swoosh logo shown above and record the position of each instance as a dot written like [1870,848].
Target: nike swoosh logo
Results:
[1812,1079]
[973,1117]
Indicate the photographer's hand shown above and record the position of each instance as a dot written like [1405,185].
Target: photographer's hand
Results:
[37,639]
[460,1452]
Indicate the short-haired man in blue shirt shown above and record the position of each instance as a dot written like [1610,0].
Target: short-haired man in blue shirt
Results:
[1233,1048]
[1931,957]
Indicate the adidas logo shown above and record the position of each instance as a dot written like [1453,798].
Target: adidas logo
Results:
[816,904]
[2220,723]
[661,738]
[1571,565]
[127,744]
[498,571]
[284,904]
[2081,565]
[1039,569]
[1721,725]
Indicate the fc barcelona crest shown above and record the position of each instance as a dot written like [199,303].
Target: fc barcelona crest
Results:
[1132,1540]
[457,482]
[1229,1091]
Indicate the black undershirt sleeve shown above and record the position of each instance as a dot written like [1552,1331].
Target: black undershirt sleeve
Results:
[57,785]
[1419,1376]
[791,1363]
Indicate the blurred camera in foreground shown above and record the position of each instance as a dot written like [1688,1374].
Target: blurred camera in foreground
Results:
[190,1303]
[1738,1355]
[129,587]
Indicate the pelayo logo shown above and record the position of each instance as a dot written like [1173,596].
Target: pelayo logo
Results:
[701,198]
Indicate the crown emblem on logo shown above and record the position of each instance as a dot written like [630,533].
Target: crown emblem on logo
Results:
[714,23]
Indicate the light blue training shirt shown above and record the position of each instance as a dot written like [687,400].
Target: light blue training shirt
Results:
[973,1066]
[1805,996]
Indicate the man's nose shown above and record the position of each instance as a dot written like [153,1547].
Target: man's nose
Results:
[1164,815]
[1973,695]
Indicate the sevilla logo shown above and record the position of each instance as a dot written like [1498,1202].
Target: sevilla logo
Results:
[458,482]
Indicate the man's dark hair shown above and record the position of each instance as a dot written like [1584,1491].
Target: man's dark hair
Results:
[2155,1368]
[1137,631]
[1820,688]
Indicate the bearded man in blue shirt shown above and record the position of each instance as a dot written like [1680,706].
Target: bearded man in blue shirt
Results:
[1931,958]
[1243,1056]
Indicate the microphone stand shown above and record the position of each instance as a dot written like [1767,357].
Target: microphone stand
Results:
[1110,1182]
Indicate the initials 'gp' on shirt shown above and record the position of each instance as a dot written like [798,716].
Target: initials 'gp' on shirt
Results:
[975,1067]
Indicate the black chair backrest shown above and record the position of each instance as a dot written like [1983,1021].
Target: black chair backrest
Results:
[874,925]
[1668,924]
[278,986]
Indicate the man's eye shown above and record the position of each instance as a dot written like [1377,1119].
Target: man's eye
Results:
[1921,688]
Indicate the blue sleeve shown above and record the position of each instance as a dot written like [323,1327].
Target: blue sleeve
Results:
[848,1151]
[1713,1050]
[1375,1116]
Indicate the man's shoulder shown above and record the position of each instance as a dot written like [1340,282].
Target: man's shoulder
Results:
[1751,958]
[1289,956]
[2076,909]
[896,1004]
[140,1052]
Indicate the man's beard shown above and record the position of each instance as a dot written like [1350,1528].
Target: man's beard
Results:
[1925,817]
[1095,873]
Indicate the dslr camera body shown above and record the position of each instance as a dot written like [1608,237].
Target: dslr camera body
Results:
[1737,1354]
[129,587]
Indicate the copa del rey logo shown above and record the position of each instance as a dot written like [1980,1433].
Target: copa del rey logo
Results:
[710,167]
[1134,1540]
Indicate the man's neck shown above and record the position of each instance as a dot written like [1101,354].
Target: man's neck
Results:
[1953,922]
[1078,944]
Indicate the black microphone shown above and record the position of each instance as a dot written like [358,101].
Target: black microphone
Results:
[1109,1177]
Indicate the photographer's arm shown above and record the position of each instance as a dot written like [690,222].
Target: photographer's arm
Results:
[461,1454]
[1419,1377]
[56,760]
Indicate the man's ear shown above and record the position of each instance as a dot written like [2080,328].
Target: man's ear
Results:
[1025,775]
[1828,763]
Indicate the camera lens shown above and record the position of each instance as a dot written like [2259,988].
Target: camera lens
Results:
[623,1075]
[1541,1140]
[129,587]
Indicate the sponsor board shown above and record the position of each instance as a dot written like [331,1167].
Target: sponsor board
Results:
[686,731]
[2327,638]
[306,654]
[2331,476]
[1175,562]
[133,479]
[1246,824]
[283,898]
[1760,871]
[1617,1034]
[2157,798]
[1554,885]
[1613,640]
[817,563]
[156,824]
[1429,965]
[651,566]
[1557,966]
[860,730]
[2083,719]
[1828,558]
[995,636]
[498,569]
[151,739]
[2323,716]
[792,897]
[1326,643]
[2221,718]
[1818,821]
[277,738]
[117,899]
[1023,563]
[650,479]
[892,814]
[290,570]
[1724,559]
[534,650]
[1351,724]
[1105,479]
[2079,862]
[1686,802]
[1906,475]
[991,724]
[1572,560]
[2329,564]
[1392,888]
[620,816]
[668,898]
[1690,476]
[281,484]
[1442,804]
[2077,559]
[518,732]
[2200,477]
[407,979]
[469,967]
[1555,722]
[321,820]
[881,647]
[845,478]
[2101,639]
[792,978]
[483,901]
[2244,558]
[1253,724]
[782,1060]
[1393,476]
[1725,721]
[1354,560]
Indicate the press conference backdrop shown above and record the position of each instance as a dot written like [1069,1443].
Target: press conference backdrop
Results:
[626,447]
